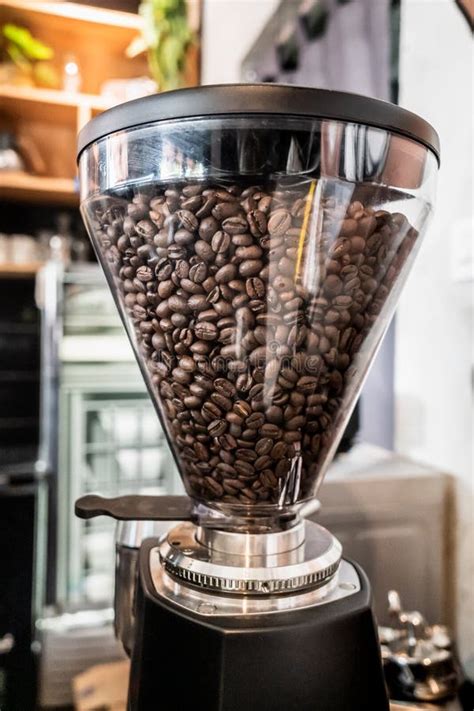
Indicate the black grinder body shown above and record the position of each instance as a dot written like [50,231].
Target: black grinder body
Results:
[322,658]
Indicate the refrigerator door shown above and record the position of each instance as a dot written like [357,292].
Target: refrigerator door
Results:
[111,442]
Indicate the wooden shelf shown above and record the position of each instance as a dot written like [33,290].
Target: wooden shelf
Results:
[22,187]
[70,11]
[11,270]
[48,105]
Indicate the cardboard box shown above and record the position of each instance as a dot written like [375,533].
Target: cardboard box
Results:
[103,687]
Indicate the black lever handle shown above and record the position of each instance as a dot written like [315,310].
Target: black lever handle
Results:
[136,508]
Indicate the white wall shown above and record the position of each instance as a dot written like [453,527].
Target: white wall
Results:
[433,363]
[230,27]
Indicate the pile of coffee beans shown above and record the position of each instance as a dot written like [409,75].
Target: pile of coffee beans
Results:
[255,311]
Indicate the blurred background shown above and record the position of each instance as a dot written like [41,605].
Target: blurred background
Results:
[74,414]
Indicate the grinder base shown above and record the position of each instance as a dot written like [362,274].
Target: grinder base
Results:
[325,656]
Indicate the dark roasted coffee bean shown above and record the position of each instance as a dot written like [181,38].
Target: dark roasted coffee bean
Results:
[270,430]
[263,462]
[214,486]
[187,220]
[274,414]
[255,288]
[235,225]
[191,287]
[251,252]
[197,302]
[144,274]
[244,382]
[279,450]
[216,428]
[244,317]
[247,455]
[187,364]
[206,331]
[255,420]
[207,228]
[279,222]
[227,442]
[257,222]
[204,250]
[226,274]
[220,242]
[181,376]
[178,304]
[163,269]
[224,403]
[224,210]
[224,387]
[250,267]
[264,446]
[244,469]
[332,285]
[198,273]
[306,384]
[268,478]
[242,408]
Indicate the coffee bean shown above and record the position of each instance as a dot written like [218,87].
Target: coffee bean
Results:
[235,225]
[220,242]
[250,267]
[242,408]
[204,250]
[217,427]
[279,222]
[244,469]
[247,455]
[279,450]
[224,387]
[226,274]
[270,430]
[224,403]
[263,462]
[251,252]
[144,274]
[214,486]
[255,288]
[206,331]
[257,222]
[187,220]
[207,228]
[255,420]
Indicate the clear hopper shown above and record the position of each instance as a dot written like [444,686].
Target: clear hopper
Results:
[256,260]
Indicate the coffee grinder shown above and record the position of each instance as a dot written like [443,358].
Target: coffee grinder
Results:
[255,239]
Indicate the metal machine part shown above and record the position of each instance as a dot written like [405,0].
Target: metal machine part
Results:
[202,602]
[303,558]
[419,661]
[129,537]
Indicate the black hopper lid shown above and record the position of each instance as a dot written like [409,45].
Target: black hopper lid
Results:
[269,99]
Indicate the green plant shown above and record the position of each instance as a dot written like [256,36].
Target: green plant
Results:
[19,45]
[28,55]
[166,38]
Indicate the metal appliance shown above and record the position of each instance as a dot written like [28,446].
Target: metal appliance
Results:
[255,239]
[419,661]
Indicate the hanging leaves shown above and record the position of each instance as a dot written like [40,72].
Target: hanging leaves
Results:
[166,36]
